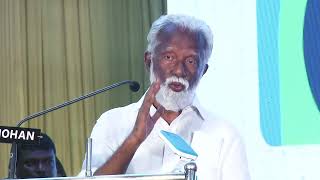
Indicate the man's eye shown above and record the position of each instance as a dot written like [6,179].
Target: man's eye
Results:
[49,161]
[168,57]
[30,163]
[191,60]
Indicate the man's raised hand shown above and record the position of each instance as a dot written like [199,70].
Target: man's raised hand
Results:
[145,122]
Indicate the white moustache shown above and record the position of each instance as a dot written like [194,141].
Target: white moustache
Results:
[177,79]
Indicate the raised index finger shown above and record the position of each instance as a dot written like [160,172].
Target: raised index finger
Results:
[150,96]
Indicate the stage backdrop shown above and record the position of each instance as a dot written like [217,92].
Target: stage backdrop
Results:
[264,77]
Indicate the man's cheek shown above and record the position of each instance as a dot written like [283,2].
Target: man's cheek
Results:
[193,81]
[160,75]
[30,173]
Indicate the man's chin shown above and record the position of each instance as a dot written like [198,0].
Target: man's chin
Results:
[174,101]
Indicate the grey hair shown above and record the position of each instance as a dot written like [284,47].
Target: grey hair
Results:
[184,22]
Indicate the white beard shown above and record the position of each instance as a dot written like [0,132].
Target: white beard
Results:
[169,99]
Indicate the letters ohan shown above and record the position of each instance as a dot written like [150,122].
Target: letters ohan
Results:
[21,135]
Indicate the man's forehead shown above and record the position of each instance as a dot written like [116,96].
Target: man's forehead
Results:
[26,154]
[171,49]
[177,34]
[169,33]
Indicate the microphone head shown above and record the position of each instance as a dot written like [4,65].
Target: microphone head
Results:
[134,86]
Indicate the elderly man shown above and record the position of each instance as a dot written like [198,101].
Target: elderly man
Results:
[126,139]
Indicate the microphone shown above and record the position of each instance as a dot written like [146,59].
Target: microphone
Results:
[134,86]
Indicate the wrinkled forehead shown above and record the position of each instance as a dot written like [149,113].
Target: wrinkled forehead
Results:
[171,31]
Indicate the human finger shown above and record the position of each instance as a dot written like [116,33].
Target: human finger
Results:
[157,114]
[150,96]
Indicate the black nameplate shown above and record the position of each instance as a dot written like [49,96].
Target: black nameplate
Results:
[19,135]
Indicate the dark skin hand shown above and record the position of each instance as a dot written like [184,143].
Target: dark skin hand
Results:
[119,161]
[145,123]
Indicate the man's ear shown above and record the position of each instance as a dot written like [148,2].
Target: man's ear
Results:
[205,69]
[147,60]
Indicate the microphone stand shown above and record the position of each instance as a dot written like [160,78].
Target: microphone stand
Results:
[134,86]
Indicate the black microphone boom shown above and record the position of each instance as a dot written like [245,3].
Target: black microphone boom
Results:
[134,86]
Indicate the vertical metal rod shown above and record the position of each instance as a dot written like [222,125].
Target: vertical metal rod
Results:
[88,158]
[190,170]
[13,161]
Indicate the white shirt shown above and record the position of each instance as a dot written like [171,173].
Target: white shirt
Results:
[221,154]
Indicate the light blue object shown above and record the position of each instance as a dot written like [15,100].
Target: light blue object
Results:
[178,145]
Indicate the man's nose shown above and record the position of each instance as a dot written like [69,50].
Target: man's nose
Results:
[41,167]
[40,172]
[180,70]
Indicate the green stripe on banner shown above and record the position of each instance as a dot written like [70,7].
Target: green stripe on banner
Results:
[299,115]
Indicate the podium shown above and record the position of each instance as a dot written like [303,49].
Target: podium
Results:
[189,174]
[119,177]
[190,170]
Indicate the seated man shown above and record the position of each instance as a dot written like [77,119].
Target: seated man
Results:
[60,170]
[126,139]
[37,160]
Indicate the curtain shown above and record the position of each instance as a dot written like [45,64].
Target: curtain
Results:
[55,50]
